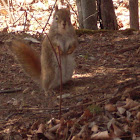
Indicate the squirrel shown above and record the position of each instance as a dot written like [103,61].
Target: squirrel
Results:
[57,51]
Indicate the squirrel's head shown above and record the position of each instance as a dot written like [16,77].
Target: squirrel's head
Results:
[61,18]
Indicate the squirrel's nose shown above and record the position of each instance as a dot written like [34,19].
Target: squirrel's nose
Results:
[64,23]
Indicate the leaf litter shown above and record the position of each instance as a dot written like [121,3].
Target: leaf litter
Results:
[101,102]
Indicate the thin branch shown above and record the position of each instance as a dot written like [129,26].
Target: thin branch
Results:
[49,16]
[10,90]
[60,101]
[90,16]
[59,64]
[35,20]
[25,20]
[127,49]
[72,8]
[18,18]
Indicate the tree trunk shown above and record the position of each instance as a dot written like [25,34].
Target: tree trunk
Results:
[80,13]
[108,15]
[134,16]
[89,14]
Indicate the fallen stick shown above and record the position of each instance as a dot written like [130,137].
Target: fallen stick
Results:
[10,90]
[127,49]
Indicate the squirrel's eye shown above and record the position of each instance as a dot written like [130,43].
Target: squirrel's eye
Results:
[56,18]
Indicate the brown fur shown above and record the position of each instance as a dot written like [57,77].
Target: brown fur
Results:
[46,69]
[28,59]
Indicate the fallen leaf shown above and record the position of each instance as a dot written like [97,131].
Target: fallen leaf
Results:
[41,128]
[110,107]
[138,116]
[117,131]
[94,128]
[100,135]
[87,114]
[130,104]
[51,123]
[84,132]
[76,138]
[109,124]
[50,136]
[54,128]
[126,128]
[121,110]
[128,114]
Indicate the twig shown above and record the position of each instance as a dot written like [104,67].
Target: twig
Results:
[135,108]
[35,20]
[18,18]
[123,85]
[90,16]
[60,101]
[49,16]
[72,130]
[89,103]
[35,109]
[72,8]
[127,49]
[10,90]
[83,94]
[25,20]
[62,109]
[59,65]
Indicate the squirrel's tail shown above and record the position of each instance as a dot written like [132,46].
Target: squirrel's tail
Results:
[28,59]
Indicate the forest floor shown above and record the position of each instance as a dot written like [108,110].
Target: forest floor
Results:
[102,101]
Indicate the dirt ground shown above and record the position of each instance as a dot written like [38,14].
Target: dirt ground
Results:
[107,66]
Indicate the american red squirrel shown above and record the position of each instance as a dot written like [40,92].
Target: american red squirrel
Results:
[60,41]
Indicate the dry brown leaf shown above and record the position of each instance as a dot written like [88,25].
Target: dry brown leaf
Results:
[54,128]
[138,116]
[110,107]
[125,128]
[133,128]
[63,132]
[41,128]
[117,131]
[87,113]
[70,123]
[62,126]
[109,124]
[53,122]
[121,110]
[84,132]
[128,114]
[94,128]
[135,108]
[100,135]
[50,136]
[4,12]
[130,103]
[76,138]
[35,125]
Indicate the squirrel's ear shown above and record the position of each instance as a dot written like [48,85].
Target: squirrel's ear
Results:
[68,7]
[56,8]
